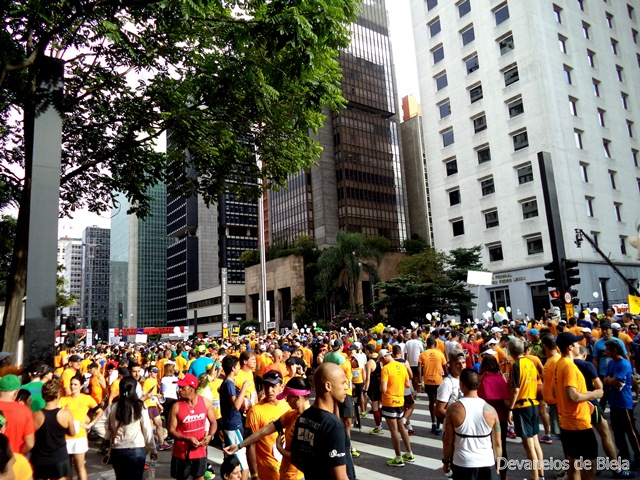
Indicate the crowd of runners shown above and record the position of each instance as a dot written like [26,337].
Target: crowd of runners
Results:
[283,406]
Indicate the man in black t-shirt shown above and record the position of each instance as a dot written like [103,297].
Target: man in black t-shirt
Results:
[320,446]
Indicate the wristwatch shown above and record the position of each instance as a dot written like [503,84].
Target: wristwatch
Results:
[446,462]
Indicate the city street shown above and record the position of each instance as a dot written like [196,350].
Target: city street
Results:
[375,451]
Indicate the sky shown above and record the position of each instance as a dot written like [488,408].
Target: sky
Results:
[406,77]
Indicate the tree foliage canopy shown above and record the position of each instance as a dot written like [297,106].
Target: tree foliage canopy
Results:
[228,79]
[430,281]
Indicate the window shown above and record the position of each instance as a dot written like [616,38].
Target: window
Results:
[480,123]
[567,74]
[484,155]
[638,183]
[631,12]
[577,136]
[472,64]
[596,87]
[634,157]
[447,137]
[495,252]
[605,147]
[562,41]
[515,108]
[445,109]
[464,7]
[589,204]
[573,106]
[612,179]
[530,209]
[609,19]
[468,36]
[591,58]
[623,97]
[451,167]
[438,54]
[511,76]
[458,227]
[630,128]
[435,27]
[616,211]
[619,73]
[491,219]
[475,93]
[431,4]
[581,5]
[525,174]
[634,35]
[506,44]
[601,117]
[501,14]
[614,46]
[584,171]
[623,245]
[454,197]
[585,30]
[557,13]
[487,186]
[441,81]
[520,141]
[534,245]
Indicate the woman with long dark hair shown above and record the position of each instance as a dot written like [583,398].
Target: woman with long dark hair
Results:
[128,426]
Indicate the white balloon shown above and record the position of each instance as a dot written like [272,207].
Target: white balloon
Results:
[489,304]
[176,330]
[595,310]
[315,324]
[509,309]
[429,316]
[596,294]
[295,326]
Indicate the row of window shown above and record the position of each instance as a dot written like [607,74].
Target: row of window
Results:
[500,13]
[606,144]
[487,187]
[534,245]
[617,207]
[520,138]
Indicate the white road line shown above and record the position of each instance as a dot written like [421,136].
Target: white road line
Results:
[387,452]
[373,475]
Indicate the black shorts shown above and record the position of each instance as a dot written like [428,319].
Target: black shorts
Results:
[579,443]
[393,412]
[479,473]
[431,390]
[154,412]
[51,470]
[409,400]
[526,421]
[374,394]
[357,390]
[345,409]
[415,371]
[183,469]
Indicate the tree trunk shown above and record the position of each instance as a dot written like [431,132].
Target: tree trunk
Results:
[17,281]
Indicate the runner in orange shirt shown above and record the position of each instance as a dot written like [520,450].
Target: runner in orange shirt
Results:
[432,365]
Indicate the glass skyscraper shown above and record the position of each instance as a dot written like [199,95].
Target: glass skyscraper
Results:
[358,183]
[139,264]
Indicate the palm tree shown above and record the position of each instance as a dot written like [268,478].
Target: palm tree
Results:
[342,265]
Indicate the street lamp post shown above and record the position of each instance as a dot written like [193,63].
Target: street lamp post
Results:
[90,258]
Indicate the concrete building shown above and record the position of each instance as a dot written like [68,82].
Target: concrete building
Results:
[95,279]
[414,159]
[504,80]
[139,264]
[72,261]
[205,244]
[358,184]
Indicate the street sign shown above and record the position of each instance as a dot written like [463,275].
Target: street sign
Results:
[567,297]
[271,324]
[570,311]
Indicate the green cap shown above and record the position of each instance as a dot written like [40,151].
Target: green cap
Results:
[9,383]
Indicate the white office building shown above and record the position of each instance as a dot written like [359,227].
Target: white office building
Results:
[499,83]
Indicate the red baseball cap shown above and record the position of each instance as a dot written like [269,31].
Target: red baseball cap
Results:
[188,381]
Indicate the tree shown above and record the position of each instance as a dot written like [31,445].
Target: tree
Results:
[430,281]
[342,265]
[63,298]
[7,236]
[229,81]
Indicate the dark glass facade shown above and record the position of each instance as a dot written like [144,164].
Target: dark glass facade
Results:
[95,278]
[363,142]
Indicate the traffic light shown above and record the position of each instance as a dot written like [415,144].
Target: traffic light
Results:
[556,301]
[574,296]
[553,275]
[573,272]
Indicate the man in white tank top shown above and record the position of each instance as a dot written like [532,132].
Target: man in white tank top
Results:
[471,443]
